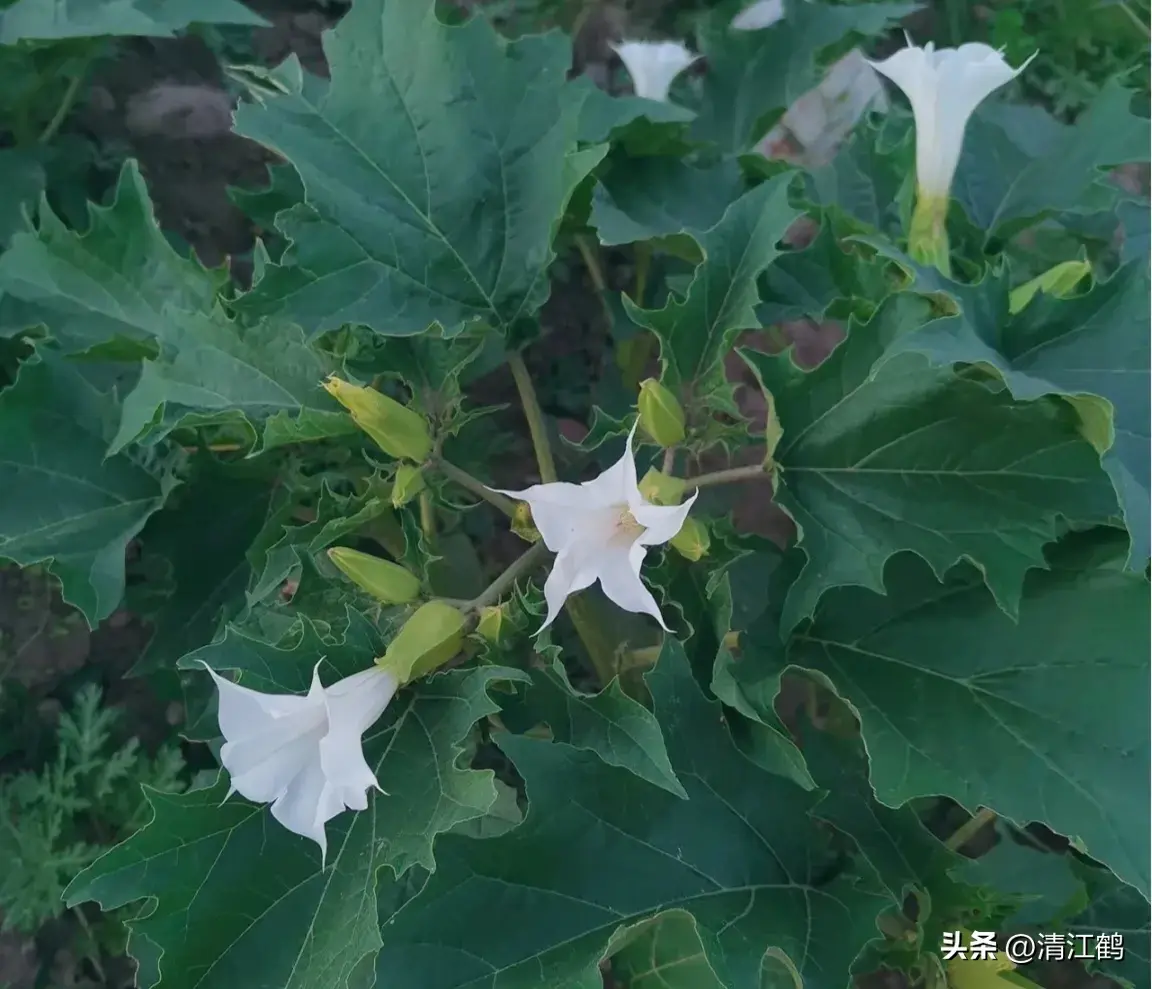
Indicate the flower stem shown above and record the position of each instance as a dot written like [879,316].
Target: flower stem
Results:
[728,476]
[66,104]
[600,650]
[596,273]
[526,561]
[478,488]
[967,831]
[534,416]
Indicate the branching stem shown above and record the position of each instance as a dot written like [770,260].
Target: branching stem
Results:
[477,487]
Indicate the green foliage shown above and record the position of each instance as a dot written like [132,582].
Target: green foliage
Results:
[56,821]
[954,615]
[53,20]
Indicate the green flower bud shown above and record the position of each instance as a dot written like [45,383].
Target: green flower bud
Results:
[522,523]
[428,640]
[661,416]
[661,489]
[1060,281]
[407,484]
[386,581]
[398,430]
[491,623]
[692,541]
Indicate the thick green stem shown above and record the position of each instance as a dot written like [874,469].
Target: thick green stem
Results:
[600,650]
[477,487]
[535,417]
[596,273]
[727,476]
[524,563]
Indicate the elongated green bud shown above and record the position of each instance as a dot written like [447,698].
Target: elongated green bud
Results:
[1060,282]
[661,416]
[398,430]
[661,489]
[384,580]
[407,484]
[428,640]
[692,541]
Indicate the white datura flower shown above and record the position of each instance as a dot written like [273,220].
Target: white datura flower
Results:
[601,530]
[944,88]
[653,65]
[303,754]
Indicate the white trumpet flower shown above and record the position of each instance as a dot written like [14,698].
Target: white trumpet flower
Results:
[944,87]
[653,65]
[601,530]
[303,754]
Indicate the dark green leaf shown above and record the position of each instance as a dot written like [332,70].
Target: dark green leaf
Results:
[113,281]
[1093,345]
[614,726]
[1116,908]
[641,198]
[601,850]
[52,20]
[204,536]
[1019,164]
[63,501]
[911,457]
[22,178]
[956,698]
[1042,882]
[695,333]
[213,371]
[436,166]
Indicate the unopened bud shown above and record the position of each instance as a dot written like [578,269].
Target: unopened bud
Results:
[522,523]
[398,430]
[491,623]
[692,541]
[384,580]
[661,489]
[1059,282]
[428,640]
[661,416]
[407,484]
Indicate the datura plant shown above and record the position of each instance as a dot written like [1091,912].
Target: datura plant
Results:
[845,569]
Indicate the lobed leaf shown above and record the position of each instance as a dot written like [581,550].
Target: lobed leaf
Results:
[436,165]
[64,502]
[876,460]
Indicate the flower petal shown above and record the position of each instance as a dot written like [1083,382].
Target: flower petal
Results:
[558,510]
[661,523]
[944,88]
[573,571]
[353,706]
[243,711]
[619,574]
[653,65]
[308,804]
[262,766]
[617,484]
